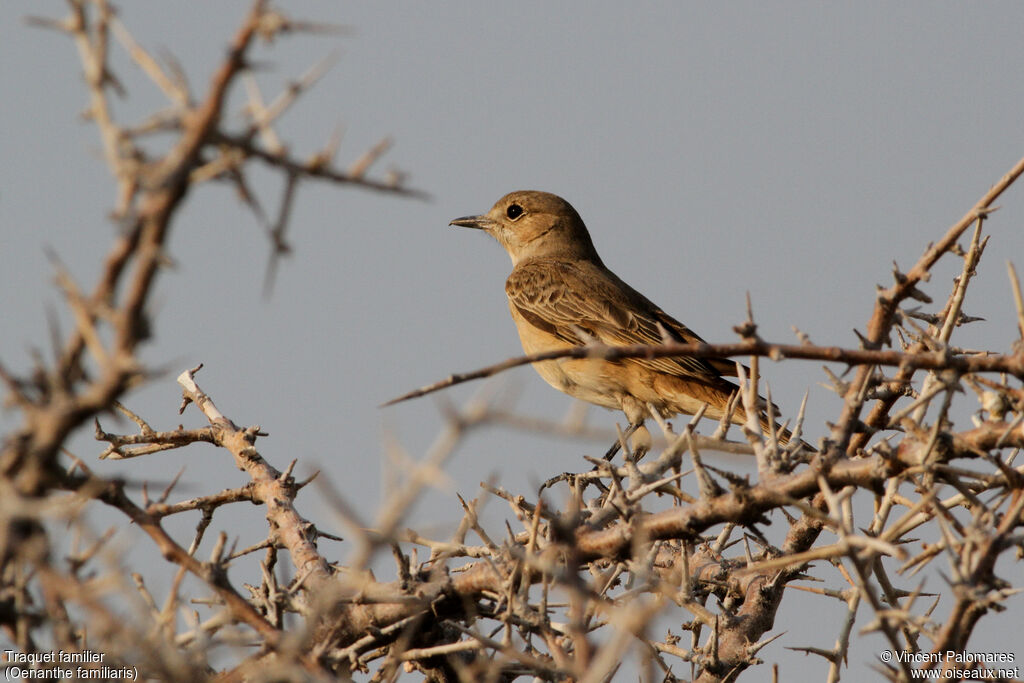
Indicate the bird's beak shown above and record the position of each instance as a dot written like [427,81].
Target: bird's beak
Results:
[478,222]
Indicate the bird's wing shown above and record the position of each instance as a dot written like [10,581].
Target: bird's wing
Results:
[574,301]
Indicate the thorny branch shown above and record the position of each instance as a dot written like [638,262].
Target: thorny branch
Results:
[684,564]
[926,360]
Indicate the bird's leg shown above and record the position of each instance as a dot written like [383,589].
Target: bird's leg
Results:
[641,442]
[630,430]
[640,445]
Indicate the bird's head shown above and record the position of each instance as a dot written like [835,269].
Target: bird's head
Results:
[532,224]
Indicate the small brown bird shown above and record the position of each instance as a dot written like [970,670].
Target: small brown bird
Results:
[561,295]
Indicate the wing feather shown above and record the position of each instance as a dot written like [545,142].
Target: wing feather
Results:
[566,299]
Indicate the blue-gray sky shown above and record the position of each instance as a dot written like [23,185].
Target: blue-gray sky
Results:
[790,150]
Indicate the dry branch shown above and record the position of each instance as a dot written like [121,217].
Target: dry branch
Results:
[557,592]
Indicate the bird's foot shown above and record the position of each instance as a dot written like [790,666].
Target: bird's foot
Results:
[640,441]
[574,479]
[568,477]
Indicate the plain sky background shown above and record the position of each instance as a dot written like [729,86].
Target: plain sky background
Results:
[789,150]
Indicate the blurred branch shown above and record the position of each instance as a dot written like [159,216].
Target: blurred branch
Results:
[568,583]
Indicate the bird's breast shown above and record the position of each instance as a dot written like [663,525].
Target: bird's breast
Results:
[588,379]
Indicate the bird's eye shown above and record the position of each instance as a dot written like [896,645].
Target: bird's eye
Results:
[514,211]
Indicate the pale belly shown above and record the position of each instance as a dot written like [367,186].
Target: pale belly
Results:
[581,379]
[584,378]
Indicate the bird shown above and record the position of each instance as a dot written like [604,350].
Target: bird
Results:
[561,296]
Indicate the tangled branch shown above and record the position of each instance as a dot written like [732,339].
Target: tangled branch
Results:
[681,564]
